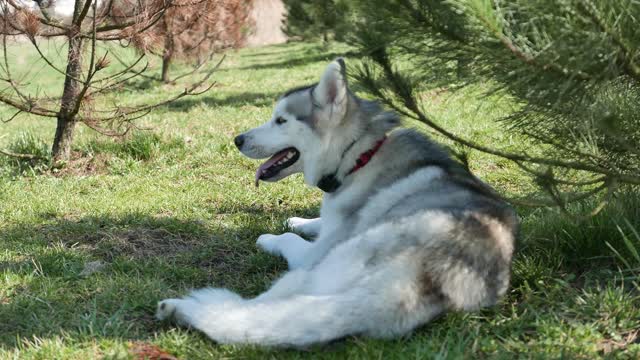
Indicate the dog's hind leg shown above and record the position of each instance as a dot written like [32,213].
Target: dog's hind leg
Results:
[300,320]
[307,227]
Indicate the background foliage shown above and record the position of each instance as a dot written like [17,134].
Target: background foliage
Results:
[313,19]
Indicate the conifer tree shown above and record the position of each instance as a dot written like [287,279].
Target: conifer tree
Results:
[194,30]
[317,19]
[571,66]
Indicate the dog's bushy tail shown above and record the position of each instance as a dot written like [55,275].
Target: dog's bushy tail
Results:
[303,320]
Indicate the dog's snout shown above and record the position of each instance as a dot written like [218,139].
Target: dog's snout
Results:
[239,140]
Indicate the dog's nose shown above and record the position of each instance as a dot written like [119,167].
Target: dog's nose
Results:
[239,140]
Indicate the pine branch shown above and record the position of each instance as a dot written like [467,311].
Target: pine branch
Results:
[553,202]
[630,66]
[528,58]
[403,91]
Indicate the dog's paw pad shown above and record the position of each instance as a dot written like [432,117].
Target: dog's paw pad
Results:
[166,309]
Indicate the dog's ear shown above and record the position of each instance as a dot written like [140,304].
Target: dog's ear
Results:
[332,88]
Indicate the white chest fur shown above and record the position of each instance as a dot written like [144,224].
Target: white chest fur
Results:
[335,208]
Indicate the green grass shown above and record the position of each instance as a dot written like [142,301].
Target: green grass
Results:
[174,208]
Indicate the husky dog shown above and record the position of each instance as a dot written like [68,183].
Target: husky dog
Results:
[405,233]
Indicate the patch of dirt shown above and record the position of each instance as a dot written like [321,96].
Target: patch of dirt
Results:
[142,242]
[136,242]
[140,350]
[223,260]
[132,236]
[435,96]
[83,165]
[607,346]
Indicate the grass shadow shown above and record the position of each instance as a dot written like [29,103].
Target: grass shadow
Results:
[298,61]
[242,99]
[143,259]
[283,50]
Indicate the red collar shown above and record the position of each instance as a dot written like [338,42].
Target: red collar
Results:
[366,156]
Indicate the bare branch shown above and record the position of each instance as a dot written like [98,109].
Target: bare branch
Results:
[21,156]
[193,90]
[191,72]
[85,9]
[49,62]
[106,9]
[153,20]
[28,108]
[7,70]
[128,124]
[125,70]
[122,81]
[12,116]
[43,9]
[42,20]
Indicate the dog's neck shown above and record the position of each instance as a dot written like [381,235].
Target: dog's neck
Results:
[330,183]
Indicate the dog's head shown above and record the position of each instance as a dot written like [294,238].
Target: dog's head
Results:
[310,129]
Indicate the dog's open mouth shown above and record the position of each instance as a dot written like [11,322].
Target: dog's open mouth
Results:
[281,160]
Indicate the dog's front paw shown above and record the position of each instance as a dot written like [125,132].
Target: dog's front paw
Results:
[295,223]
[269,243]
[166,309]
[310,227]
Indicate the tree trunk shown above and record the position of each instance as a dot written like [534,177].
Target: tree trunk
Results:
[167,54]
[63,140]
[166,62]
[61,149]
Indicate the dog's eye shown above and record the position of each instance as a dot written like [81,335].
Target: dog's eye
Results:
[280,121]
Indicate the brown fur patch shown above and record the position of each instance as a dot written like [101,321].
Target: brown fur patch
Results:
[429,286]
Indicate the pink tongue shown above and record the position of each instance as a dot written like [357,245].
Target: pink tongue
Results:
[275,158]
